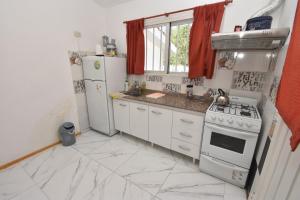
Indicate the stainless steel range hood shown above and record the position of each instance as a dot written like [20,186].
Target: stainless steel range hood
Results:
[268,39]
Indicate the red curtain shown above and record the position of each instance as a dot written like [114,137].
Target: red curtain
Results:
[135,47]
[288,96]
[207,19]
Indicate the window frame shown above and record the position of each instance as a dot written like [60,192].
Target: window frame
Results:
[168,25]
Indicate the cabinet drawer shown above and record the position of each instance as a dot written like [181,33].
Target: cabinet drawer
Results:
[139,120]
[183,121]
[121,115]
[185,148]
[187,135]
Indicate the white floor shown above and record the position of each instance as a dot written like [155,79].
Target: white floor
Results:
[111,168]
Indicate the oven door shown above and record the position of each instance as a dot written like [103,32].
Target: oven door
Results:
[231,145]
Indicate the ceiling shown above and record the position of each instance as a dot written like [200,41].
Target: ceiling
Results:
[109,3]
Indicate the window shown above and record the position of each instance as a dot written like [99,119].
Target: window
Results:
[167,47]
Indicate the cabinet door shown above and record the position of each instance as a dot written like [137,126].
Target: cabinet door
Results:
[139,120]
[160,126]
[121,115]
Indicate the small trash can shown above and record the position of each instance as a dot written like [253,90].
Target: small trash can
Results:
[67,134]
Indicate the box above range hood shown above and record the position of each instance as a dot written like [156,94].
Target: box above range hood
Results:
[268,39]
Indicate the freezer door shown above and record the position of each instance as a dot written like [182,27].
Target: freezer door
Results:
[97,105]
[94,68]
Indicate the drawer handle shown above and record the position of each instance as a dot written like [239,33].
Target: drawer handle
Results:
[123,105]
[156,112]
[187,121]
[141,109]
[184,148]
[185,135]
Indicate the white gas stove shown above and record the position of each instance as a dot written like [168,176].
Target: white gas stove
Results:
[241,113]
[229,139]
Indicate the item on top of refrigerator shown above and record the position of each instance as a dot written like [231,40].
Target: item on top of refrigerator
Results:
[259,23]
[238,28]
[110,46]
[189,91]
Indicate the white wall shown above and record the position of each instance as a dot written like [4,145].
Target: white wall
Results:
[35,75]
[235,14]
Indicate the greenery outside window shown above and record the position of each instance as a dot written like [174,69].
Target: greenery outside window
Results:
[166,47]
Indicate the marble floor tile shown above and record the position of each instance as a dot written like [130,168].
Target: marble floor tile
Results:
[191,185]
[33,193]
[78,180]
[118,188]
[44,165]
[114,153]
[91,141]
[14,181]
[233,192]
[148,168]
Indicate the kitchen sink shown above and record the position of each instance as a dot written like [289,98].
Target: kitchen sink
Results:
[134,92]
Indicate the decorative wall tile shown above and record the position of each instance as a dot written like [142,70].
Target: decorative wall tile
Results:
[250,81]
[75,58]
[171,87]
[79,86]
[273,89]
[195,81]
[154,78]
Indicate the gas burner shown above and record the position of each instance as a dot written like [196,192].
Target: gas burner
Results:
[238,109]
[220,108]
[245,107]
[245,113]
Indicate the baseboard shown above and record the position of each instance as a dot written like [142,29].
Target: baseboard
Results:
[6,165]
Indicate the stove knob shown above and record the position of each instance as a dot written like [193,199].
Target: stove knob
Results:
[230,121]
[248,125]
[240,124]
[220,119]
[213,118]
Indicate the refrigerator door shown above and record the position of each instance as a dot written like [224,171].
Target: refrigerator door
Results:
[94,68]
[97,105]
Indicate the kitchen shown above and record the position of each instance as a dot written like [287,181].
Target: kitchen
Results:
[151,122]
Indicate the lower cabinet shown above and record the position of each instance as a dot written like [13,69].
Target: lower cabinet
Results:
[139,120]
[186,148]
[160,126]
[121,115]
[181,132]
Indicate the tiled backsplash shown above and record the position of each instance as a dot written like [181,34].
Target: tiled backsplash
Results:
[249,81]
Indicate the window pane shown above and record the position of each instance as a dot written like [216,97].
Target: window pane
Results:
[149,50]
[157,50]
[173,49]
[179,47]
[163,47]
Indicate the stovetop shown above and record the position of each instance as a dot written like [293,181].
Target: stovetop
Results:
[238,109]
[241,113]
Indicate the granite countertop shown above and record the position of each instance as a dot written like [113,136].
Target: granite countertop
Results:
[174,100]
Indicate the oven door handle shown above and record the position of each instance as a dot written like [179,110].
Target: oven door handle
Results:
[238,132]
[223,164]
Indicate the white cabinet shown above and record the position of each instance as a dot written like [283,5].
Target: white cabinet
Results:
[160,126]
[179,131]
[139,120]
[121,115]
[187,133]
[186,148]
[187,127]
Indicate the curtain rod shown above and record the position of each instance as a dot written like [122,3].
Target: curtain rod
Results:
[226,2]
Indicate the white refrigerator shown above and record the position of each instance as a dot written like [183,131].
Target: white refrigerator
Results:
[102,75]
